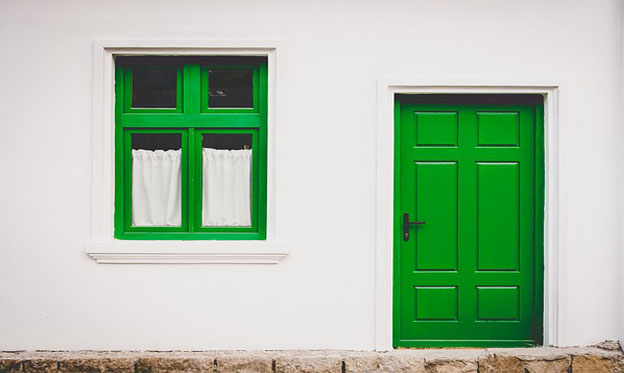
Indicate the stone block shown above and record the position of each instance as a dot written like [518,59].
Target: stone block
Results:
[384,363]
[609,345]
[173,364]
[500,363]
[308,364]
[451,366]
[556,365]
[97,364]
[259,363]
[595,364]
[40,366]
[10,365]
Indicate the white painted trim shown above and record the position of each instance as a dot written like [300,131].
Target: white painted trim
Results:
[186,252]
[387,88]
[187,258]
[103,186]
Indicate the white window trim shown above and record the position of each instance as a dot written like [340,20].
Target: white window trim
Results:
[103,247]
[387,88]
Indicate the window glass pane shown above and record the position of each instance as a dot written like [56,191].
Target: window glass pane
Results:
[230,88]
[226,180]
[156,179]
[230,141]
[154,88]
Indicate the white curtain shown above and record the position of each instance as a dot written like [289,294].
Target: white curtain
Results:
[226,199]
[156,188]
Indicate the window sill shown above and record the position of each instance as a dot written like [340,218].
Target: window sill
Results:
[185,252]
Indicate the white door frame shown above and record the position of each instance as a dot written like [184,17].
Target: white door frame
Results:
[387,89]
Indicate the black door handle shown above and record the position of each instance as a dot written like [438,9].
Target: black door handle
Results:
[406,226]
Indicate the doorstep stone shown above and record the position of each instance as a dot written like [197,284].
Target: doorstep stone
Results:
[451,366]
[604,358]
[244,362]
[596,364]
[500,363]
[41,365]
[452,360]
[175,363]
[97,364]
[313,363]
[532,360]
[383,362]
[11,365]
[561,365]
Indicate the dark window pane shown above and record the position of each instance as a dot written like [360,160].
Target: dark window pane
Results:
[230,88]
[229,141]
[154,88]
[156,141]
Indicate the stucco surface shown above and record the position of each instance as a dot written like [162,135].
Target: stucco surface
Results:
[331,56]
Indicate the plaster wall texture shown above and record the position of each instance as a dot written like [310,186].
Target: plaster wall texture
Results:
[323,295]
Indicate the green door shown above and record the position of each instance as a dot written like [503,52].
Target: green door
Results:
[470,170]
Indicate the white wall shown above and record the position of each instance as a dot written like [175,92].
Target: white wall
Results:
[322,296]
[620,174]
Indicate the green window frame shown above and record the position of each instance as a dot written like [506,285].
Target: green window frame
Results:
[191,118]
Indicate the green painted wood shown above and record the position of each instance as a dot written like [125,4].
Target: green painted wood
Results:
[436,240]
[498,129]
[472,275]
[436,129]
[263,143]
[497,216]
[192,91]
[498,303]
[152,120]
[191,119]
[193,187]
[436,303]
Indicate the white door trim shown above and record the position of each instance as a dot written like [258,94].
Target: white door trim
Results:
[387,88]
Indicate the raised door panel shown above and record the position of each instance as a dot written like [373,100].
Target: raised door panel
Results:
[436,303]
[436,128]
[497,216]
[498,303]
[498,129]
[436,205]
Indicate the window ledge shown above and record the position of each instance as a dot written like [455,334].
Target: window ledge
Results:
[184,252]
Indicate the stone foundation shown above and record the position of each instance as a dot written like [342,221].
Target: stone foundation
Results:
[606,357]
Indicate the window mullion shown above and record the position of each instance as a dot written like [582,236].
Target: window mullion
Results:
[192,159]
[191,93]
[191,106]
